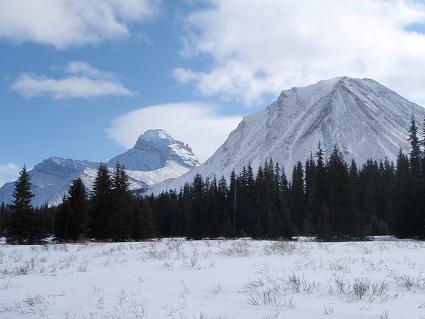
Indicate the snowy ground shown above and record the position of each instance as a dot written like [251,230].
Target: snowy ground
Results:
[214,279]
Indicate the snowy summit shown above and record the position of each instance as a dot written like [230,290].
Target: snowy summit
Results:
[153,150]
[361,117]
[156,156]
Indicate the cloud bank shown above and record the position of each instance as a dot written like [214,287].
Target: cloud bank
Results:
[266,46]
[195,124]
[83,81]
[63,23]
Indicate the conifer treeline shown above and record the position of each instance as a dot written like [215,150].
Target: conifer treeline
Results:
[327,198]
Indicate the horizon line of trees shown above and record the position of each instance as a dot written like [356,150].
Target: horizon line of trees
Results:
[327,198]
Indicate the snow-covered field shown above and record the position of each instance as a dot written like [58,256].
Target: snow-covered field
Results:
[214,279]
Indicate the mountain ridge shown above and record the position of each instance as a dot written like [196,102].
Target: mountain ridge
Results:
[361,117]
[52,177]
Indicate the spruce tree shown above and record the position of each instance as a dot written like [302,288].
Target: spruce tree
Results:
[144,225]
[249,216]
[310,167]
[24,224]
[73,215]
[233,203]
[297,198]
[423,153]
[121,205]
[64,222]
[341,210]
[275,227]
[316,208]
[403,221]
[78,200]
[3,219]
[224,209]
[197,220]
[22,195]
[101,202]
[417,186]
[415,151]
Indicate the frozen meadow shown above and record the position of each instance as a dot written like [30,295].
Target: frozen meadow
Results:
[175,278]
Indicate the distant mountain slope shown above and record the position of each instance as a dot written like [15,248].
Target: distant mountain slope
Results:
[157,156]
[153,150]
[361,117]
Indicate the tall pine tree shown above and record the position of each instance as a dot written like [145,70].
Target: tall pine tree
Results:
[101,201]
[121,226]
[24,223]
[73,215]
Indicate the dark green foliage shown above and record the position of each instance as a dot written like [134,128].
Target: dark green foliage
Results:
[144,226]
[72,218]
[101,201]
[297,198]
[22,194]
[317,214]
[340,208]
[24,225]
[4,217]
[326,198]
[120,208]
[415,151]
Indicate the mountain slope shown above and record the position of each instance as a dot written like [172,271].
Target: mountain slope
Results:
[153,150]
[361,117]
[157,156]
[50,179]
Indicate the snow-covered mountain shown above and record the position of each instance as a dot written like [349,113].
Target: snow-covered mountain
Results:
[363,118]
[157,156]
[153,150]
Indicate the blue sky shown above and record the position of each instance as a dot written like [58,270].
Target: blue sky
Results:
[36,127]
[83,79]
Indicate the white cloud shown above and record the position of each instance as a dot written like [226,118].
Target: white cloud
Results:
[82,81]
[264,46]
[64,23]
[8,173]
[195,124]
[83,68]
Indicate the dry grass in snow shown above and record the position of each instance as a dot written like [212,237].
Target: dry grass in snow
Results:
[225,279]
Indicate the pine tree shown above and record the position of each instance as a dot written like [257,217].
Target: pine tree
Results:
[341,210]
[316,207]
[403,221]
[224,209]
[324,231]
[101,201]
[327,199]
[78,200]
[310,167]
[297,198]
[144,225]
[212,209]
[251,218]
[73,215]
[233,203]
[64,222]
[24,224]
[276,227]
[121,205]
[415,151]
[197,219]
[22,195]
[3,219]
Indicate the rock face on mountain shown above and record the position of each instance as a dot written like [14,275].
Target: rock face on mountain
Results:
[153,150]
[361,117]
[157,156]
